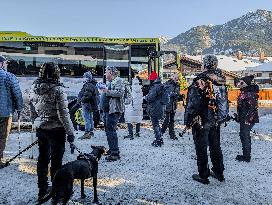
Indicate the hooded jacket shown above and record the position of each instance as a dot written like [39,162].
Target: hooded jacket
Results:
[154,106]
[247,106]
[89,94]
[174,92]
[49,107]
[198,102]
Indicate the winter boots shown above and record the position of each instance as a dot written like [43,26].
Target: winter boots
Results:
[44,194]
[242,158]
[113,157]
[87,135]
[219,177]
[157,143]
[129,136]
[137,134]
[197,178]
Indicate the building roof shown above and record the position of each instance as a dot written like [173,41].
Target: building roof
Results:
[230,63]
[265,67]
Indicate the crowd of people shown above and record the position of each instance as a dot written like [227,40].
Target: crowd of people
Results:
[205,111]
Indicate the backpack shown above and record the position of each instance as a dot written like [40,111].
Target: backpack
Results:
[165,98]
[221,101]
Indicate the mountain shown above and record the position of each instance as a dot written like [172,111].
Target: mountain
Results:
[248,34]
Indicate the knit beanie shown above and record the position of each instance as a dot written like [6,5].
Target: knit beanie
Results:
[248,79]
[153,76]
[2,59]
[210,62]
[88,75]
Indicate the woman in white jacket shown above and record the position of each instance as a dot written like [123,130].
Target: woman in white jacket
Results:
[133,108]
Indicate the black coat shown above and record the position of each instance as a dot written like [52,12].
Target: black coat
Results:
[154,106]
[89,94]
[174,92]
[197,102]
[247,106]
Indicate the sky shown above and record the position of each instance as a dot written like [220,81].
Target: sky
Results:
[120,18]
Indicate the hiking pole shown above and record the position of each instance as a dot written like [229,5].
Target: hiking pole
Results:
[17,155]
[19,135]
[32,139]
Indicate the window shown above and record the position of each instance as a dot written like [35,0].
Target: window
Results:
[270,75]
[259,74]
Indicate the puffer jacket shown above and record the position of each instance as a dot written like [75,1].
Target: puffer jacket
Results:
[116,96]
[134,107]
[49,107]
[89,94]
[154,106]
[174,91]
[197,101]
[10,94]
[247,106]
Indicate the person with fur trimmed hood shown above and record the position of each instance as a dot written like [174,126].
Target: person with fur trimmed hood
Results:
[88,97]
[50,114]
[247,108]
[134,108]
[203,117]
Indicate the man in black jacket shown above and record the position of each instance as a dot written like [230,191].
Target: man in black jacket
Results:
[247,108]
[173,89]
[89,99]
[201,115]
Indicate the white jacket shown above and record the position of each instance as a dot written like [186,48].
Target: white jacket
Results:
[134,110]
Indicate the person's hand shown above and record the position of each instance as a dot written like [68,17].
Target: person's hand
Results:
[70,138]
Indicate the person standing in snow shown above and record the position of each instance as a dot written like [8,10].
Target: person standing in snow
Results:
[172,86]
[88,97]
[112,105]
[155,109]
[247,109]
[11,100]
[202,115]
[50,114]
[134,108]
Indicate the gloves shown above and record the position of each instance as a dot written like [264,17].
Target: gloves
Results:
[101,85]
[70,138]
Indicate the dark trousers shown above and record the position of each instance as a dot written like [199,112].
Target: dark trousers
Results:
[169,123]
[156,127]
[203,138]
[5,126]
[245,138]
[51,148]
[110,123]
[130,128]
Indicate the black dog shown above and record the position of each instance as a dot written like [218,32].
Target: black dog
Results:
[84,167]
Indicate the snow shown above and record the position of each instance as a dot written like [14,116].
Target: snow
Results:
[149,175]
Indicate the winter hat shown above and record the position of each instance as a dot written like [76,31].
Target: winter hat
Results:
[88,75]
[248,79]
[113,69]
[210,62]
[153,76]
[2,59]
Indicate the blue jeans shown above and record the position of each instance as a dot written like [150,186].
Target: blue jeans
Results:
[110,123]
[88,118]
[130,128]
[156,127]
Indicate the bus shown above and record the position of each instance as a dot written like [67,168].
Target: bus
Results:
[76,55]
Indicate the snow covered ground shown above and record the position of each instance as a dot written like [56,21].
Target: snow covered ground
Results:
[149,175]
